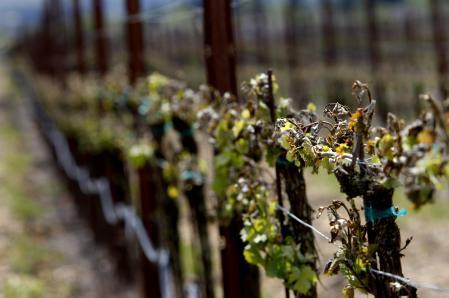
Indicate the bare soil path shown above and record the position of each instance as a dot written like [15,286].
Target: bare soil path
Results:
[45,248]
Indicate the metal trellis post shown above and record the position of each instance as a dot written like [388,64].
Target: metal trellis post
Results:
[79,37]
[375,56]
[239,278]
[440,48]
[135,41]
[148,209]
[101,51]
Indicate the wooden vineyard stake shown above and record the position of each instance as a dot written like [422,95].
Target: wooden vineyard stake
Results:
[101,51]
[79,37]
[239,278]
[136,67]
[439,39]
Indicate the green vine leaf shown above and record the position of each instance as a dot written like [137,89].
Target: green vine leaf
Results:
[302,278]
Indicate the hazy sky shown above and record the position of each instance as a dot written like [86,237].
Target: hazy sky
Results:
[18,3]
[15,12]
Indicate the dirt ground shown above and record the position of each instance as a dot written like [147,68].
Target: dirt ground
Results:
[47,251]
[45,248]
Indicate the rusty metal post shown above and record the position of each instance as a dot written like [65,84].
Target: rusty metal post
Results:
[136,67]
[58,29]
[375,56]
[297,83]
[101,51]
[411,61]
[47,45]
[329,42]
[219,48]
[262,49]
[53,38]
[334,86]
[116,173]
[239,278]
[439,39]
[79,37]
[410,39]
[373,35]
[148,209]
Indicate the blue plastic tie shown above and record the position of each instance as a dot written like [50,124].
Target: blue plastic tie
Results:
[372,214]
[284,162]
[192,175]
[168,125]
[159,130]
[144,106]
[186,133]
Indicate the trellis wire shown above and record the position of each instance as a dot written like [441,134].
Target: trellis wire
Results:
[113,213]
[304,223]
[378,272]
[154,15]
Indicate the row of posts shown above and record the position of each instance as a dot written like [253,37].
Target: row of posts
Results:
[135,42]
[239,278]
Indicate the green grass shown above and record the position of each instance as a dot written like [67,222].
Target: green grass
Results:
[23,287]
[51,188]
[190,259]
[16,166]
[21,206]
[28,256]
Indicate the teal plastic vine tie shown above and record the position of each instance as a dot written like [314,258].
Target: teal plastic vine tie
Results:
[167,126]
[372,214]
[144,106]
[195,176]
[158,131]
[283,162]
[186,133]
